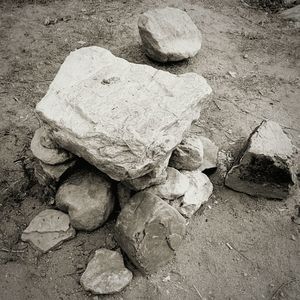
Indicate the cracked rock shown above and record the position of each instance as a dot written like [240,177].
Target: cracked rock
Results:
[169,34]
[175,186]
[105,273]
[46,150]
[49,229]
[126,126]
[88,198]
[265,166]
[157,231]
[199,190]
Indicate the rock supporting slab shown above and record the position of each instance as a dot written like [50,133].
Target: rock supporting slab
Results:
[264,167]
[199,191]
[105,273]
[169,34]
[121,117]
[174,187]
[188,155]
[88,198]
[48,230]
[210,154]
[46,151]
[156,232]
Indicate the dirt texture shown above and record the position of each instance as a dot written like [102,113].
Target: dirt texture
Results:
[237,246]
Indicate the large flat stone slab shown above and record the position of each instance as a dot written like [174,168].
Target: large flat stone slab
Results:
[265,167]
[121,117]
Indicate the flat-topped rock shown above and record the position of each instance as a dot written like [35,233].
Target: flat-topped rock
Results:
[48,230]
[121,117]
[105,273]
[265,166]
[169,34]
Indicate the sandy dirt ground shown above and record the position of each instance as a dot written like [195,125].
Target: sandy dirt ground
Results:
[237,247]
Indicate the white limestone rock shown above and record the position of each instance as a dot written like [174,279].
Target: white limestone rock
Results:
[199,190]
[265,167]
[174,187]
[45,150]
[49,229]
[88,198]
[169,34]
[149,230]
[188,155]
[121,117]
[105,273]
[210,154]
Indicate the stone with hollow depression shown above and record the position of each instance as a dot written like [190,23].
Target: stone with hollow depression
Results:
[121,117]
[265,167]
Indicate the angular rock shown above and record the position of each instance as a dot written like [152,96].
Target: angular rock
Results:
[45,150]
[188,155]
[174,187]
[49,229]
[121,117]
[210,154]
[169,34]
[105,273]
[157,231]
[199,191]
[88,198]
[50,174]
[123,194]
[292,13]
[264,166]
[157,176]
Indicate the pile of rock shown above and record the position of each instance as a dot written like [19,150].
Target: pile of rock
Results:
[131,123]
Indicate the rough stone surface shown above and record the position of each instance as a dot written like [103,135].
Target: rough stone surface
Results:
[157,176]
[121,117]
[264,167]
[169,34]
[45,150]
[157,231]
[88,198]
[210,154]
[123,194]
[106,273]
[48,230]
[199,191]
[174,187]
[292,13]
[188,155]
[50,174]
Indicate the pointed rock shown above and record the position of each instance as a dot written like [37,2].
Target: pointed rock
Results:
[265,166]
[88,198]
[157,231]
[175,186]
[121,117]
[105,273]
[199,190]
[210,154]
[169,34]
[45,150]
[48,229]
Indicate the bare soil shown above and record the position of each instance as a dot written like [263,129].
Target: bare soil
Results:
[237,247]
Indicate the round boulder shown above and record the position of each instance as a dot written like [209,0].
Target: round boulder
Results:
[88,198]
